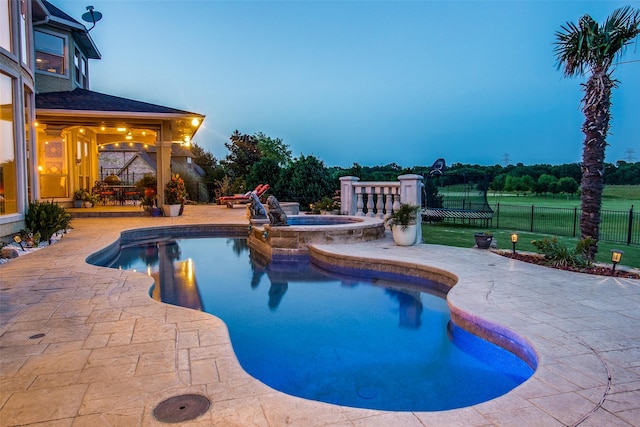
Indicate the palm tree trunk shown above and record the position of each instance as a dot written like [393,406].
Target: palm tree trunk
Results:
[596,109]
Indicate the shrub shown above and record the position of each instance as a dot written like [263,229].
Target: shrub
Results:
[558,255]
[47,218]
[175,192]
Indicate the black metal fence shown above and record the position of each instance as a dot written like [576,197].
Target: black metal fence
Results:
[615,226]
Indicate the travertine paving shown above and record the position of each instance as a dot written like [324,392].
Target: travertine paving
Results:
[110,354]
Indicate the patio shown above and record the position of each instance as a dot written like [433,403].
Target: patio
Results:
[110,354]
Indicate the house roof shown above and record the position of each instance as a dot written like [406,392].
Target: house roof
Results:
[57,17]
[87,100]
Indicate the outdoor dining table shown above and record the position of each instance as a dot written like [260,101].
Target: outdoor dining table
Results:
[122,191]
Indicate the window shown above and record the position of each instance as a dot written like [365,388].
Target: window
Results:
[80,68]
[49,52]
[8,174]
[28,120]
[24,38]
[5,25]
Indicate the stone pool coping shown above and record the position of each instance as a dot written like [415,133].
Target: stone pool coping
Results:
[110,354]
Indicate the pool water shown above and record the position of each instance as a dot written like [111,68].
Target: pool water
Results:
[342,339]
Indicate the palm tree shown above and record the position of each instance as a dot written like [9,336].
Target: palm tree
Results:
[591,48]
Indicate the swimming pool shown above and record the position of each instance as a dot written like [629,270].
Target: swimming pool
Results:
[368,343]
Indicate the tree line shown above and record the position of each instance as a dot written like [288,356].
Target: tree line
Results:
[258,158]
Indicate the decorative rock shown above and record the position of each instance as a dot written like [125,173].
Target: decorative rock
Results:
[10,252]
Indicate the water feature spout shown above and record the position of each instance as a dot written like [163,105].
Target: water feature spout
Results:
[277,217]
[256,208]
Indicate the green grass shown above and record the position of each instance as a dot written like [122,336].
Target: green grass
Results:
[462,236]
[615,198]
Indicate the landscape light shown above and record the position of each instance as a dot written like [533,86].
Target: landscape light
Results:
[18,240]
[616,255]
[514,240]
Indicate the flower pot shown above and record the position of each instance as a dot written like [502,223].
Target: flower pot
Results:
[87,204]
[77,203]
[483,241]
[171,210]
[406,237]
[155,211]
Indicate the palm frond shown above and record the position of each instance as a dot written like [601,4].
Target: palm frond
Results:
[587,45]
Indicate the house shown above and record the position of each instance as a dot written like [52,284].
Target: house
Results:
[133,160]
[52,126]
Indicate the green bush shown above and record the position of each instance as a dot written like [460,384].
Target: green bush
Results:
[558,255]
[47,218]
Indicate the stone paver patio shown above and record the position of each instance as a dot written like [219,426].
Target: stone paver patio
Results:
[110,354]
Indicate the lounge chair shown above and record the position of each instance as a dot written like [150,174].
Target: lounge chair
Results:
[241,199]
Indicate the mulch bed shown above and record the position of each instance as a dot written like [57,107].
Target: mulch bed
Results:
[594,269]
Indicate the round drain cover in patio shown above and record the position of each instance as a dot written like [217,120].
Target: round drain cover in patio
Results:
[181,408]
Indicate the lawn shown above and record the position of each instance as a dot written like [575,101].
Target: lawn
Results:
[462,236]
[615,198]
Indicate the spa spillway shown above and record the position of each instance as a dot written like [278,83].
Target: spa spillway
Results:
[286,242]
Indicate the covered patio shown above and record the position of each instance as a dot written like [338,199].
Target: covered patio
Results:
[73,126]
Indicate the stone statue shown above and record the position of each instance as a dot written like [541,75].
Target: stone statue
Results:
[276,214]
[256,208]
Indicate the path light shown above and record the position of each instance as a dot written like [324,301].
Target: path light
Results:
[514,240]
[18,240]
[616,254]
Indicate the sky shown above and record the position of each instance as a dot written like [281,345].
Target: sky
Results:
[368,82]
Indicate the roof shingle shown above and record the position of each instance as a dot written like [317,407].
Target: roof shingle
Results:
[87,100]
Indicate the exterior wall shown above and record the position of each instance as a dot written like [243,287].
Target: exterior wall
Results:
[18,129]
[51,82]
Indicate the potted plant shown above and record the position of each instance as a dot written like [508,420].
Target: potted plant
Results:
[403,224]
[326,206]
[483,239]
[147,185]
[79,197]
[175,194]
[89,199]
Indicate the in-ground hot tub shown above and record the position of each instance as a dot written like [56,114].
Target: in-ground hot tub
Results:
[284,242]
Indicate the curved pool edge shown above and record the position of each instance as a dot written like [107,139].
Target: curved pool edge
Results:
[493,332]
[150,234]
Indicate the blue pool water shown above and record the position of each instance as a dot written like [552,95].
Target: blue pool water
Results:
[343,339]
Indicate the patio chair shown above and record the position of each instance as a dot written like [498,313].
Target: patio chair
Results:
[242,199]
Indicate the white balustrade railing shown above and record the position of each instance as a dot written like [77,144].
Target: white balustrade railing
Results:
[378,199]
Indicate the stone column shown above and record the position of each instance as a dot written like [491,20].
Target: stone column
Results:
[347,195]
[163,167]
[411,193]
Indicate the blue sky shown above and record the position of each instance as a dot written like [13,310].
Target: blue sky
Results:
[367,82]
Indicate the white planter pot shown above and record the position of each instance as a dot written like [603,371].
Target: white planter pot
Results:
[406,237]
[171,210]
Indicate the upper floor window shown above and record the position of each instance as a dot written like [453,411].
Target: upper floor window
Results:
[5,25]
[50,51]
[80,68]
[24,37]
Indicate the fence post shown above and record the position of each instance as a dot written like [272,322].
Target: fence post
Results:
[531,218]
[575,221]
[629,228]
[347,193]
